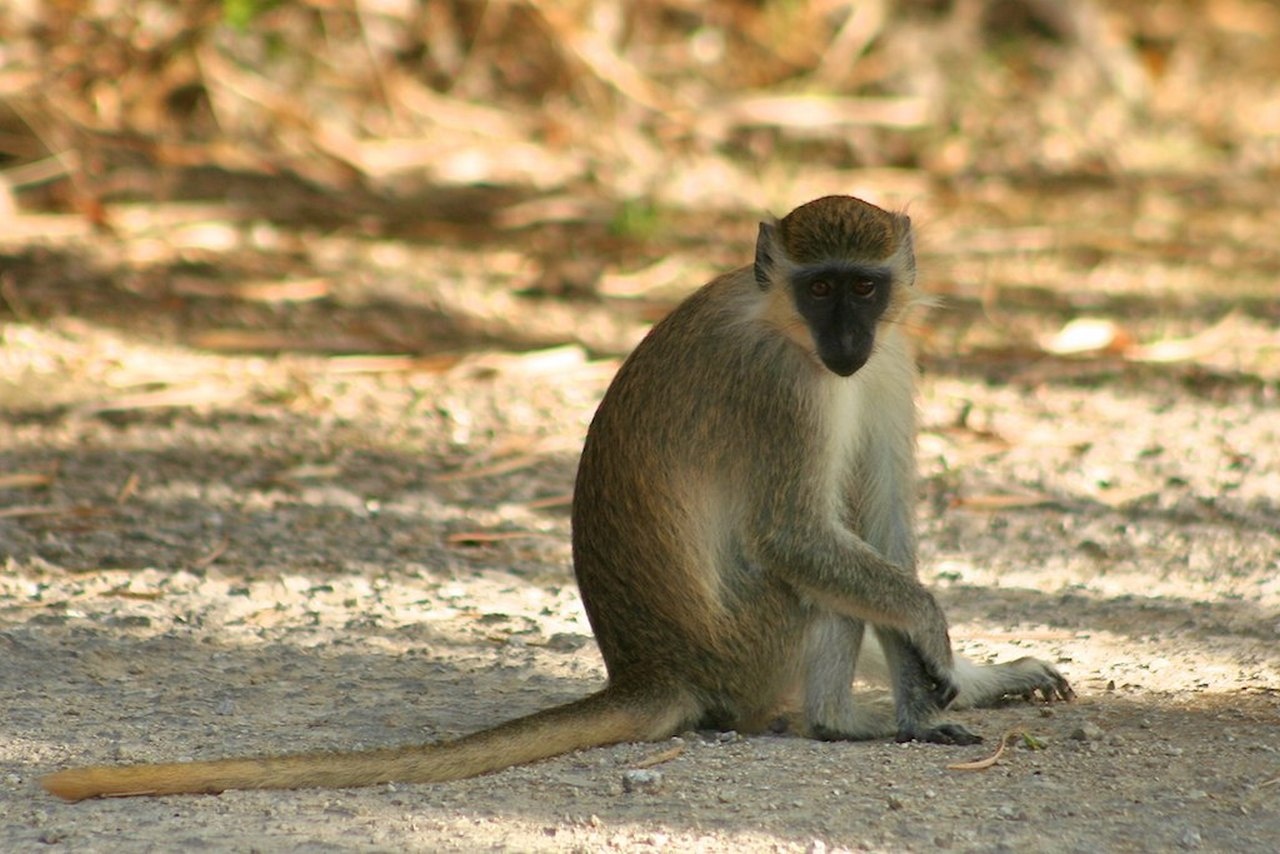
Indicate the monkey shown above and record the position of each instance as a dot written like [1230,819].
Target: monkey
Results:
[742,512]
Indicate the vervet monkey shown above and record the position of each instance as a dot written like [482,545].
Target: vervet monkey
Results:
[743,510]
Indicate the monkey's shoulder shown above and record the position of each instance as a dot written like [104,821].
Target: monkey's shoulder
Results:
[727,299]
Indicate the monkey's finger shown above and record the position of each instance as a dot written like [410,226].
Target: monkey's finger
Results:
[944,733]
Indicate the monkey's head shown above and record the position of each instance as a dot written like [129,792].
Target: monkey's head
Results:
[843,266]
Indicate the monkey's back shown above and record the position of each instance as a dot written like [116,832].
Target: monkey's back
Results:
[660,544]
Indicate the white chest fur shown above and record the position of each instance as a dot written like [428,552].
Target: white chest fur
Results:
[869,424]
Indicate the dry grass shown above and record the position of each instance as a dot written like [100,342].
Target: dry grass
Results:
[672,103]
[1110,159]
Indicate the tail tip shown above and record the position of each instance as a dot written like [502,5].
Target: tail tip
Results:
[70,785]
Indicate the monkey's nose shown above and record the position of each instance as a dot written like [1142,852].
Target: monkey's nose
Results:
[845,363]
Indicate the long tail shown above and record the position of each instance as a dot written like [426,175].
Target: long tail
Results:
[607,717]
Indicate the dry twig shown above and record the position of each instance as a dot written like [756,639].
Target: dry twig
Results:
[660,757]
[989,761]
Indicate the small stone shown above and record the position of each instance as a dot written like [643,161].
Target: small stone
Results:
[641,780]
[1008,812]
[131,621]
[1087,731]
[1190,839]
[895,803]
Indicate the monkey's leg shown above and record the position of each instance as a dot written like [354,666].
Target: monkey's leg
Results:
[831,653]
[917,694]
[835,647]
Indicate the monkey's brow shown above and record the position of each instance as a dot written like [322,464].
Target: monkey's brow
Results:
[842,270]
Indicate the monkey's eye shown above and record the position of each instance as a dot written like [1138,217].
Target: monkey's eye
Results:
[820,289]
[864,288]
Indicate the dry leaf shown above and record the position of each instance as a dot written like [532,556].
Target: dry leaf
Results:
[1002,502]
[1221,335]
[1086,335]
[24,480]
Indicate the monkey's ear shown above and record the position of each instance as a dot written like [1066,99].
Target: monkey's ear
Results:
[765,243]
[902,224]
[906,247]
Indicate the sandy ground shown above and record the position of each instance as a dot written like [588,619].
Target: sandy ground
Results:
[325,554]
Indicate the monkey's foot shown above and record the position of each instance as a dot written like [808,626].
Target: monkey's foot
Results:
[1056,688]
[984,685]
[940,734]
[1041,680]
[1060,690]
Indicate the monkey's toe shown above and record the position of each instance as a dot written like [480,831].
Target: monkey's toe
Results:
[1059,691]
[1062,690]
[1052,686]
[945,733]
[1038,680]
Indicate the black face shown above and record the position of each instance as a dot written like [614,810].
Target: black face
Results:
[842,303]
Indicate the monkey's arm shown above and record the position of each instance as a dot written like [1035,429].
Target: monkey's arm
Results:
[839,571]
[847,577]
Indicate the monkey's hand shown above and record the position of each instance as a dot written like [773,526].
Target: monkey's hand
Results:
[939,690]
[936,679]
[930,646]
[936,690]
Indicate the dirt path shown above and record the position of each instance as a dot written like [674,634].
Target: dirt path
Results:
[324,555]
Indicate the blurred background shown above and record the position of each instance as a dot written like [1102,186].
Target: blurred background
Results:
[1091,179]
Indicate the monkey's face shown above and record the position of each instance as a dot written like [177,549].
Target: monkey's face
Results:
[842,303]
